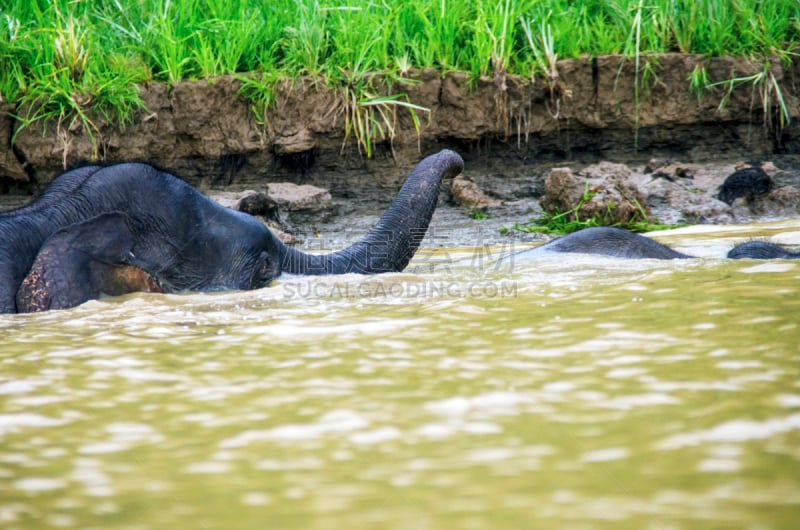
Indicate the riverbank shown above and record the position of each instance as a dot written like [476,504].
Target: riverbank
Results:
[512,131]
[598,109]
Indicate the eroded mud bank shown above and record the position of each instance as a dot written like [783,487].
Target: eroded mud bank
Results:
[510,130]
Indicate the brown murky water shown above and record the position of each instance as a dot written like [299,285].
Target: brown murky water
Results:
[473,391]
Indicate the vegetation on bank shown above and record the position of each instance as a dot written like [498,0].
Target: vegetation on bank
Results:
[560,223]
[59,58]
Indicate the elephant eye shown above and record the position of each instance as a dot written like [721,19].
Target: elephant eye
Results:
[264,272]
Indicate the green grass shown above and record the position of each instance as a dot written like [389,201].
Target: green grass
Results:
[570,221]
[764,85]
[59,58]
[560,224]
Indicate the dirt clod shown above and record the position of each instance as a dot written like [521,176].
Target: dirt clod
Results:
[466,193]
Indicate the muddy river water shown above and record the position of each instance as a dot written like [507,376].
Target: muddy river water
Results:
[472,391]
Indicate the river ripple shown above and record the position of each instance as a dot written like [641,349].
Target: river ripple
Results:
[569,392]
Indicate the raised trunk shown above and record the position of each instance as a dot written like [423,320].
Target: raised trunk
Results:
[391,244]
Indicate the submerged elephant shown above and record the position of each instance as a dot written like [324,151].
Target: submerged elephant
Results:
[131,227]
[615,242]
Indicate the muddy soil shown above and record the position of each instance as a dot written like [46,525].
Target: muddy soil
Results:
[511,131]
[667,199]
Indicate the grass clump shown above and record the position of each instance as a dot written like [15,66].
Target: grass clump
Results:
[48,72]
[764,85]
[560,223]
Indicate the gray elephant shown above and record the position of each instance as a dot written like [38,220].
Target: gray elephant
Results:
[131,227]
[616,242]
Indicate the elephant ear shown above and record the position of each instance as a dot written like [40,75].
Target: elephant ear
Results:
[82,262]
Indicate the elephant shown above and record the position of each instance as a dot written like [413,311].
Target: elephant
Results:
[616,242]
[132,227]
[761,250]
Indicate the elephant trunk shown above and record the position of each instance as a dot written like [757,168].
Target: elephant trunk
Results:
[391,243]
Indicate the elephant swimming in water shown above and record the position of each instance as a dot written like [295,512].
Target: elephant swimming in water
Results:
[616,242]
[130,227]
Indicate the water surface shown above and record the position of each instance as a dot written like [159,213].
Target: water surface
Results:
[469,392]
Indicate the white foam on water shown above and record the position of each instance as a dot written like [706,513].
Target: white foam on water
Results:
[777,266]
[718,465]
[605,455]
[13,421]
[734,431]
[139,376]
[624,373]
[481,427]
[558,387]
[375,436]
[788,400]
[88,472]
[335,421]
[434,431]
[16,387]
[489,401]
[256,498]
[100,448]
[492,454]
[37,484]
[208,468]
[638,400]
[123,436]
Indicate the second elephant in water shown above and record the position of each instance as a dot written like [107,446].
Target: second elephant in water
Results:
[616,242]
